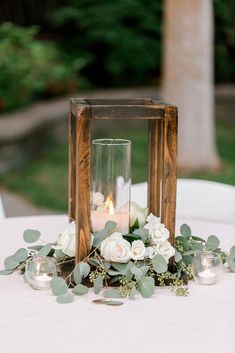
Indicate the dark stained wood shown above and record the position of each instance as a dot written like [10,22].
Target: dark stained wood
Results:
[155,166]
[169,176]
[83,185]
[72,167]
[162,158]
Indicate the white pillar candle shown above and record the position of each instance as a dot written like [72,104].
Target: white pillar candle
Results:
[99,218]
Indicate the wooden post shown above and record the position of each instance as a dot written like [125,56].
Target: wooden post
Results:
[155,166]
[161,166]
[169,170]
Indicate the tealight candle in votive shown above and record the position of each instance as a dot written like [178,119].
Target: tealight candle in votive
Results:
[40,271]
[206,266]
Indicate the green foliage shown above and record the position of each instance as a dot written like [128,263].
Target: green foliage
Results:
[119,39]
[146,286]
[65,298]
[98,284]
[58,286]
[212,242]
[44,251]
[224,40]
[21,255]
[31,235]
[29,67]
[159,264]
[80,289]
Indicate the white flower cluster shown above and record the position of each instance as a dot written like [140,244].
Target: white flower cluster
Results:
[115,248]
[159,235]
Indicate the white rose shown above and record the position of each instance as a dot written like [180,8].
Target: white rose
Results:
[67,239]
[137,250]
[165,249]
[150,252]
[138,214]
[97,198]
[115,248]
[157,230]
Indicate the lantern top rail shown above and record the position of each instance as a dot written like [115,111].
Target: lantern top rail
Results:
[136,108]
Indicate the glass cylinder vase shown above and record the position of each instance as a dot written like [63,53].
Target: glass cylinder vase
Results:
[111,182]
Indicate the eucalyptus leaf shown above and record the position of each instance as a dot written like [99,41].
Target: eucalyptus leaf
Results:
[185,231]
[10,263]
[65,298]
[136,271]
[98,284]
[142,232]
[59,253]
[131,237]
[58,286]
[178,256]
[80,289]
[21,255]
[113,302]
[81,270]
[159,264]
[212,242]
[5,272]
[198,239]
[189,252]
[114,279]
[120,267]
[133,293]
[110,225]
[107,265]
[84,269]
[187,259]
[31,235]
[93,262]
[44,251]
[184,242]
[197,246]
[111,293]
[99,237]
[114,273]
[77,274]
[231,264]
[129,275]
[232,253]
[146,286]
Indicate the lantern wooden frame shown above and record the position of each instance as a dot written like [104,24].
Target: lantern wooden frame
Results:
[162,169]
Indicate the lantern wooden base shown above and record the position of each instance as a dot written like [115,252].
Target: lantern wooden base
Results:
[162,160]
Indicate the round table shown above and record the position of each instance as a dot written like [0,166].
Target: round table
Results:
[32,321]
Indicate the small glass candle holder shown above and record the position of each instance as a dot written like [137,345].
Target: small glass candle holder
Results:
[206,267]
[40,271]
[111,183]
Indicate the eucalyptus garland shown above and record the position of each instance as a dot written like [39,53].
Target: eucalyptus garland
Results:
[144,260]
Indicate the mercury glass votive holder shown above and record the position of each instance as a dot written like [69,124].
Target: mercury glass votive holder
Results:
[40,271]
[111,183]
[206,267]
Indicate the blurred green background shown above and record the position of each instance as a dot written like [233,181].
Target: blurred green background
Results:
[53,48]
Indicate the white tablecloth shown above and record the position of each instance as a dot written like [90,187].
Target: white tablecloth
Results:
[31,321]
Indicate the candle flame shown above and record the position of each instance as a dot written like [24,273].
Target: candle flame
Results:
[109,204]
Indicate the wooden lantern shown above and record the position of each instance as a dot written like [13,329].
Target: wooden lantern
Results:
[162,137]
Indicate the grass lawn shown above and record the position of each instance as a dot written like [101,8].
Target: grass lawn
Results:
[44,182]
